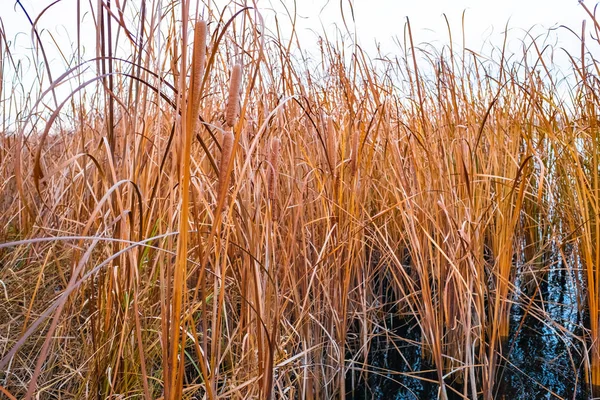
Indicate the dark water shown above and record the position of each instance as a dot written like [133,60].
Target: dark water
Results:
[396,370]
[544,359]
[543,362]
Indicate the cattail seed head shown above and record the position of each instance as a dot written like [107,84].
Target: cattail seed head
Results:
[234,95]
[198,61]
[273,168]
[226,151]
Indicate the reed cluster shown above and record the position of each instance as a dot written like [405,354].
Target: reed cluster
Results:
[209,216]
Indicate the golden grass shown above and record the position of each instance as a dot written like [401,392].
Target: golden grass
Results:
[180,229]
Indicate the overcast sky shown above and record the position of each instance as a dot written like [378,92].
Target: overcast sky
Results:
[382,21]
[376,21]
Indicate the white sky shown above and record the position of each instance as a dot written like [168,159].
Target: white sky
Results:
[376,21]
[384,18]
[380,21]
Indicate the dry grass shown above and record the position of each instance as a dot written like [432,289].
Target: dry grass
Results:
[206,222]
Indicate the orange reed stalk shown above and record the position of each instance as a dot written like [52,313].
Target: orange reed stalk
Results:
[174,383]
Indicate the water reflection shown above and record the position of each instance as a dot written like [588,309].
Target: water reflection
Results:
[543,362]
[396,371]
[542,359]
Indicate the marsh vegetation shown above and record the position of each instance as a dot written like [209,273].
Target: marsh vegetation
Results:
[211,212]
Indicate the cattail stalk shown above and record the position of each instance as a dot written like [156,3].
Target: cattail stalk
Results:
[174,383]
[234,95]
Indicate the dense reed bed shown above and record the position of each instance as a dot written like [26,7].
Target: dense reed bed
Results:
[212,214]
